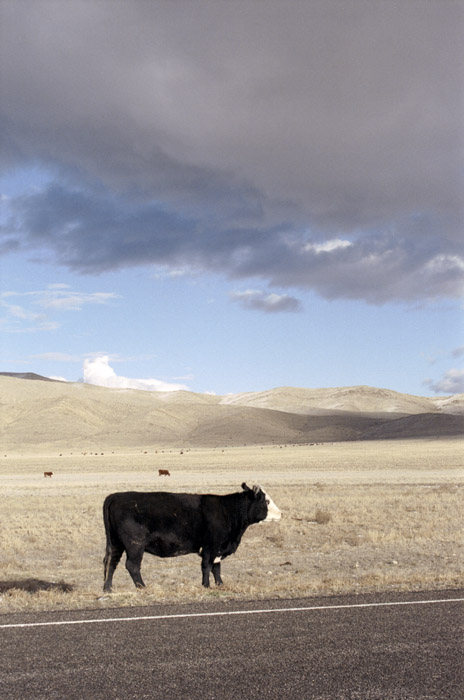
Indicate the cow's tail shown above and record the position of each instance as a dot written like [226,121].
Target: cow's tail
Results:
[106,520]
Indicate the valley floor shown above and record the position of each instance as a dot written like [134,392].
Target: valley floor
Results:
[357,517]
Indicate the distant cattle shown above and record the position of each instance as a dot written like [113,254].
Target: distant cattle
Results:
[163,472]
[49,474]
[170,524]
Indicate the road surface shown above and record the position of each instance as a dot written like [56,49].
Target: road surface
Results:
[397,647]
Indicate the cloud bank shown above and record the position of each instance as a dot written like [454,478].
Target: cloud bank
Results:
[99,372]
[308,145]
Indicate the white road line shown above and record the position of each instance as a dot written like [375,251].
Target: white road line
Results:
[224,613]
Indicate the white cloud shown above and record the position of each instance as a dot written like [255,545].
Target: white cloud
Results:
[270,303]
[452,382]
[444,263]
[327,247]
[185,378]
[18,319]
[67,301]
[58,296]
[56,357]
[19,312]
[99,372]
[32,314]
[164,272]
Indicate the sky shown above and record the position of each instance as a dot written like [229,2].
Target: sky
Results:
[233,196]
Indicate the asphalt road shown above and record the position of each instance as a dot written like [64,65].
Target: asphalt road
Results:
[350,648]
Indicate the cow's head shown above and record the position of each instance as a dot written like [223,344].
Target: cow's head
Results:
[266,509]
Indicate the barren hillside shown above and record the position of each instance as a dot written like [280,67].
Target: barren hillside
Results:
[81,416]
[355,399]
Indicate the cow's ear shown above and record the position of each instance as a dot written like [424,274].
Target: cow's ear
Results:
[245,487]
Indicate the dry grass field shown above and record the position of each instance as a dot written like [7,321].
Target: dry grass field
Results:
[357,516]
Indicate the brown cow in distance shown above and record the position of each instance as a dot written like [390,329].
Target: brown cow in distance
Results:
[163,472]
[49,474]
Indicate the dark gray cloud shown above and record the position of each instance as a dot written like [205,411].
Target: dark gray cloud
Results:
[308,144]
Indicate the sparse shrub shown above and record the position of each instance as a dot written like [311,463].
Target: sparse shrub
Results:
[322,517]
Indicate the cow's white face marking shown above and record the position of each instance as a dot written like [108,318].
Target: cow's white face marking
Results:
[273,513]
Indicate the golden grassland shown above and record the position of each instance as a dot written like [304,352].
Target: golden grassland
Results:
[357,517]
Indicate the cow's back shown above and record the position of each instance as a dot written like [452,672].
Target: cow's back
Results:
[157,512]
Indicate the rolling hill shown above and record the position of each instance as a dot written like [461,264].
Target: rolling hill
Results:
[35,411]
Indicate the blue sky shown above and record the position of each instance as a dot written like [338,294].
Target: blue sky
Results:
[233,199]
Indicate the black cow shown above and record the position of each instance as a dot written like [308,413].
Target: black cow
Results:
[171,524]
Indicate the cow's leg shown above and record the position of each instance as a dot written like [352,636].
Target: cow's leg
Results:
[133,562]
[206,566]
[217,573]
[110,562]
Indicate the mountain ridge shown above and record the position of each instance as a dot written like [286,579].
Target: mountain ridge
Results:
[35,412]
